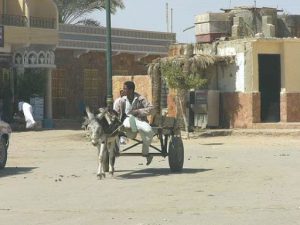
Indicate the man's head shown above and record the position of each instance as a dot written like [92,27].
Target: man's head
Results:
[128,88]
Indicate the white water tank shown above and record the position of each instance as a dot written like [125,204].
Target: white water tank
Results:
[206,108]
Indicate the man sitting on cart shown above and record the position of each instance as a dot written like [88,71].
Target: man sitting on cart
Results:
[133,110]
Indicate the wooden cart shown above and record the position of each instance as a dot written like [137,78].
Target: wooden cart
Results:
[168,132]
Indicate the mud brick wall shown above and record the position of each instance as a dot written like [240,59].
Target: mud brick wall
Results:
[289,107]
[143,85]
[239,110]
[71,65]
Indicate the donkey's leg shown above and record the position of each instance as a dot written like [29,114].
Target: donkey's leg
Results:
[98,155]
[112,157]
[100,171]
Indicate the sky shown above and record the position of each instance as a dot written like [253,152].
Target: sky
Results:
[151,14]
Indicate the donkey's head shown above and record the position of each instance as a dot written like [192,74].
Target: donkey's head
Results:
[94,129]
[101,125]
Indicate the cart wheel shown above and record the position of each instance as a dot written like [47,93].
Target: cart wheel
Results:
[3,153]
[176,154]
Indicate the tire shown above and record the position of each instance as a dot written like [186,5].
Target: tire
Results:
[176,154]
[3,153]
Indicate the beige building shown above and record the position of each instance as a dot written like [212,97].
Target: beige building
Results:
[29,35]
[261,88]
[263,85]
[71,57]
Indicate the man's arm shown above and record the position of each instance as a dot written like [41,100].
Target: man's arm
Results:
[145,108]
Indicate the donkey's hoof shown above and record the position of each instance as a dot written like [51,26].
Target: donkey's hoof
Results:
[100,176]
[111,173]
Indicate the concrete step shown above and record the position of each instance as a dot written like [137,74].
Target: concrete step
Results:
[280,125]
[242,132]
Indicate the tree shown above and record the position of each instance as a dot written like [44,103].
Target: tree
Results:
[75,11]
[183,73]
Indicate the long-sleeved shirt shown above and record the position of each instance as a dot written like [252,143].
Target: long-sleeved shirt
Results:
[143,108]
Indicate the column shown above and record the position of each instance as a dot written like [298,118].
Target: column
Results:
[48,121]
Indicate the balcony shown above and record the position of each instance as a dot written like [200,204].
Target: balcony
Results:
[22,21]
[39,22]
[13,20]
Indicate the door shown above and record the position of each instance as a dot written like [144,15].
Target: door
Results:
[269,86]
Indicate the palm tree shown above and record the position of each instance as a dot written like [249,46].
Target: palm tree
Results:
[74,11]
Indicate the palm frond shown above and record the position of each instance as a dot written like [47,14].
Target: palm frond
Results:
[88,22]
[71,11]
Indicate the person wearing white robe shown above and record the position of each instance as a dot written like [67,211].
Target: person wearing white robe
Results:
[27,110]
[133,110]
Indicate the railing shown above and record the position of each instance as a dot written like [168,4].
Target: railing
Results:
[42,22]
[123,40]
[22,21]
[13,20]
[117,32]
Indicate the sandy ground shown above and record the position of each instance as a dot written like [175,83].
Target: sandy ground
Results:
[50,178]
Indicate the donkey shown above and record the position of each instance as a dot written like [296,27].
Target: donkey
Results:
[103,130]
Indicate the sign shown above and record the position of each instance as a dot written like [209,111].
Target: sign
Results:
[1,36]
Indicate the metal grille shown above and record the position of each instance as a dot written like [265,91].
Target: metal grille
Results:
[91,85]
[59,84]
[59,93]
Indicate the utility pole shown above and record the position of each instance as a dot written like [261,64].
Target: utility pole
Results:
[4,5]
[109,97]
[167,16]
[171,20]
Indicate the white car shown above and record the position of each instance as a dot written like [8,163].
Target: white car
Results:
[5,131]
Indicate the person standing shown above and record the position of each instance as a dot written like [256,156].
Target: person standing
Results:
[117,104]
[26,108]
[133,110]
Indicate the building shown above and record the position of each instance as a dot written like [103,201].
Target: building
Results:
[28,37]
[262,87]
[80,75]
[65,63]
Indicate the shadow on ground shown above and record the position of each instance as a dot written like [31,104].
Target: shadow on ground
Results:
[155,172]
[12,171]
[213,144]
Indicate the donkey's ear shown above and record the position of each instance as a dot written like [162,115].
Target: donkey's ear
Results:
[101,114]
[89,113]
[102,110]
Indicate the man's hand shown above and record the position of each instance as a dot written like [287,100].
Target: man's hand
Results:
[134,112]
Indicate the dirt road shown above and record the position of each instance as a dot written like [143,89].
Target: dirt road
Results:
[50,178]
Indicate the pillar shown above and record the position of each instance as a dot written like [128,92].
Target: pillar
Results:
[48,121]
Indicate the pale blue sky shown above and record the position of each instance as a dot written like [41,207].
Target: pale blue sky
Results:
[151,14]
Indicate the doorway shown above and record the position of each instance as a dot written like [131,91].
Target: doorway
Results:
[269,86]
[6,95]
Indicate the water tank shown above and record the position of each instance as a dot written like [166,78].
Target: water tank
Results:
[211,26]
[206,108]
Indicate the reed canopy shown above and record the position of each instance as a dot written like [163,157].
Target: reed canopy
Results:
[182,72]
